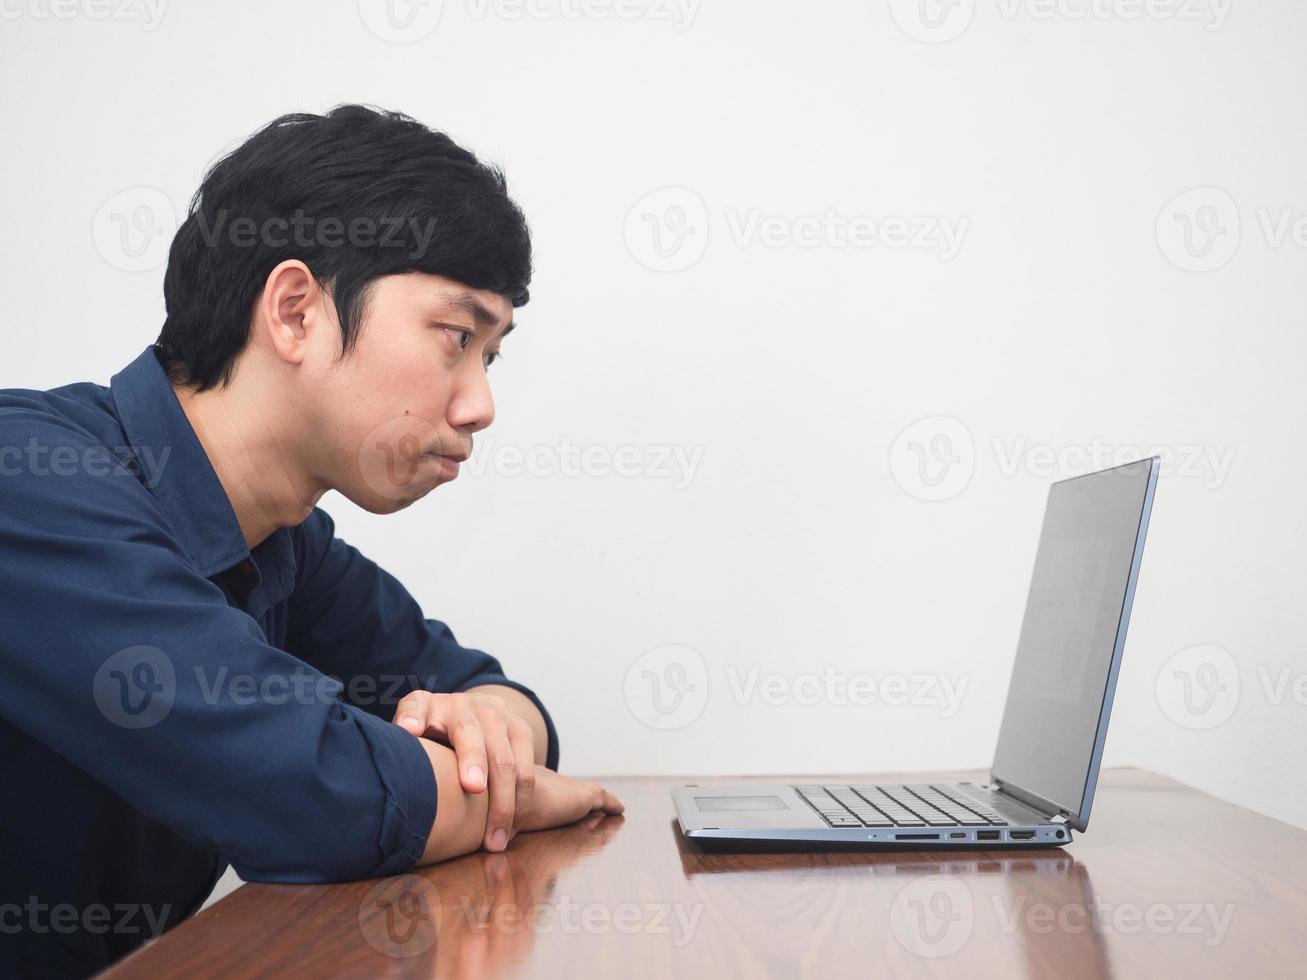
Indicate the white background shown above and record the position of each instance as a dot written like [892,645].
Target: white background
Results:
[1074,317]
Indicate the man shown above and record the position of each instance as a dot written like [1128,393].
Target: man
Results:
[197,672]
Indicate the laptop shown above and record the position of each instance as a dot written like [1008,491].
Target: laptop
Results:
[1050,741]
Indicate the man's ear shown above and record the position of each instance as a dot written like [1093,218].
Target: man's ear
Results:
[290,307]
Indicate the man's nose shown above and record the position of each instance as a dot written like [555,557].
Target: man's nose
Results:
[473,406]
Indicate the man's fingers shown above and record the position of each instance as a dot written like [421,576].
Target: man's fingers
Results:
[503,788]
[468,741]
[411,712]
[524,757]
[604,800]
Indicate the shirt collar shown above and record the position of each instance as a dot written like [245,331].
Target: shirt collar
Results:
[183,479]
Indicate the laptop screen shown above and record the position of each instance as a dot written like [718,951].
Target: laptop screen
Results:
[1071,637]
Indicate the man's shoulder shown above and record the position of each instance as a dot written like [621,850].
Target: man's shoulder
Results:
[82,409]
[58,449]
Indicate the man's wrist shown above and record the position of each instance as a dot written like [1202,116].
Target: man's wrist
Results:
[524,708]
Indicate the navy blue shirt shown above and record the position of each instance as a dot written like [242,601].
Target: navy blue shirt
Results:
[172,702]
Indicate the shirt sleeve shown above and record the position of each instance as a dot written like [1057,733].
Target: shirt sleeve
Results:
[355,621]
[121,657]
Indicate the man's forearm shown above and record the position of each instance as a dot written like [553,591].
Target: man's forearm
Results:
[524,708]
[460,821]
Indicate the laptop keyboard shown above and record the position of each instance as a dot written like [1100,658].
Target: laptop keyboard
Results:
[898,806]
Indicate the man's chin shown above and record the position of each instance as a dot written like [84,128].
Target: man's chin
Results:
[375,503]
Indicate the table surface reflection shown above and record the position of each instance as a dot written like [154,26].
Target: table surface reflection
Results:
[1166,881]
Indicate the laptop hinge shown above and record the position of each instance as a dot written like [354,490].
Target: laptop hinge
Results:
[1052,811]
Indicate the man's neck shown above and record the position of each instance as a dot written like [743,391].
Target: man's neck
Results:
[255,459]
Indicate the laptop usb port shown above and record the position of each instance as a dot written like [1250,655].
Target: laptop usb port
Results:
[1021,834]
[916,836]
[986,835]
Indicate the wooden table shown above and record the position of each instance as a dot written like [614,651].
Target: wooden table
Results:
[1167,882]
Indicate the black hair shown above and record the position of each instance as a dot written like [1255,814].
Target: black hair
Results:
[355,194]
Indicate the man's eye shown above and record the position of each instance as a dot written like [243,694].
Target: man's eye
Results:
[464,337]
[492,357]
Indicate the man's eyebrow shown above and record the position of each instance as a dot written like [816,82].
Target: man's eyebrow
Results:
[468,304]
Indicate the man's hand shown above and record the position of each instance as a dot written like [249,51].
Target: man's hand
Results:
[558,800]
[487,738]
[461,816]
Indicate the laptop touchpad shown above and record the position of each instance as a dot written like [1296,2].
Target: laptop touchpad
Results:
[739,804]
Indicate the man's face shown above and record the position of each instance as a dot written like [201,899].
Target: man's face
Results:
[399,410]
